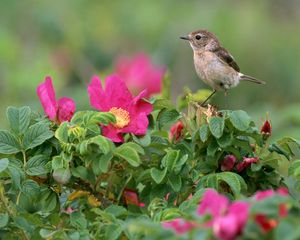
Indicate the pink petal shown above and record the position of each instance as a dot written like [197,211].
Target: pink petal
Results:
[97,97]
[112,133]
[179,225]
[260,195]
[226,227]
[66,109]
[213,203]
[117,92]
[46,94]
[138,124]
[241,211]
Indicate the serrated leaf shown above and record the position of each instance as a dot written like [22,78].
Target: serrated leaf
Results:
[3,164]
[235,181]
[113,231]
[129,154]
[295,165]
[101,164]
[212,148]
[203,132]
[36,135]
[103,143]
[8,143]
[175,182]
[30,188]
[240,120]
[158,175]
[19,118]
[226,140]
[136,147]
[216,126]
[37,165]
[62,132]
[167,117]
[62,175]
[104,118]
[170,159]
[3,220]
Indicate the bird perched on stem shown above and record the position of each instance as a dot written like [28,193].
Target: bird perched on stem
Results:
[214,64]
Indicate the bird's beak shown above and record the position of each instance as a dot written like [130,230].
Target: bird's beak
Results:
[185,38]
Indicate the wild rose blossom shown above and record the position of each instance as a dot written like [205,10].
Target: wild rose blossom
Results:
[176,131]
[228,220]
[246,163]
[139,74]
[130,112]
[228,163]
[267,224]
[57,111]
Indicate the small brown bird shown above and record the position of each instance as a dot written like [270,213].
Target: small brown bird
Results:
[214,64]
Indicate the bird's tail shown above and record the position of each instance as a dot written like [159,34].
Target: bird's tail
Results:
[244,77]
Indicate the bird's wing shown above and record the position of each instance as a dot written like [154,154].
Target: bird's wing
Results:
[225,56]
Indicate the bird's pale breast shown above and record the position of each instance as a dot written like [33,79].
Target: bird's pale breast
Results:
[214,72]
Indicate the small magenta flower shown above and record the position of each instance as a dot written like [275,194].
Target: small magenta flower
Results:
[228,163]
[57,111]
[139,74]
[179,225]
[227,220]
[130,112]
[267,224]
[176,131]
[246,163]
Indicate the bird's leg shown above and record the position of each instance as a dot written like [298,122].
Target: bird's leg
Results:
[225,92]
[203,103]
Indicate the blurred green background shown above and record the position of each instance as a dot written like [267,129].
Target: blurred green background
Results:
[73,39]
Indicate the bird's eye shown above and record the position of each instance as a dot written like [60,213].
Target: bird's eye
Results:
[198,37]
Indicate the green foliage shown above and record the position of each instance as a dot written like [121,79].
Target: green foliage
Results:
[71,182]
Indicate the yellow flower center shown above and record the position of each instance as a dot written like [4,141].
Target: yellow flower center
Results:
[122,117]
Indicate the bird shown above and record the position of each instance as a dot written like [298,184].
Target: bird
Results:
[214,64]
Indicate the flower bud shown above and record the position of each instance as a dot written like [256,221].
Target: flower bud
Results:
[228,163]
[176,131]
[266,129]
[245,163]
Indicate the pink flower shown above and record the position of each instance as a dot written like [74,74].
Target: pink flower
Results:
[179,225]
[267,224]
[140,74]
[131,197]
[130,112]
[57,111]
[228,163]
[176,131]
[245,163]
[228,220]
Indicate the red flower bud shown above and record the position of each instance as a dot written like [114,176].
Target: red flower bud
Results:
[176,131]
[245,163]
[266,129]
[131,197]
[228,163]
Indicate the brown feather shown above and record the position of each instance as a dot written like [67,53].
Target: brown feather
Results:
[225,56]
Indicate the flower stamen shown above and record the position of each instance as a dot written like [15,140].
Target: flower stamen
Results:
[122,117]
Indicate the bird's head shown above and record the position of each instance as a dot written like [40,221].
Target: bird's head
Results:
[202,40]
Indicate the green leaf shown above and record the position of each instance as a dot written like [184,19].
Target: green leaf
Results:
[212,148]
[36,135]
[62,132]
[142,140]
[113,231]
[3,220]
[170,159]
[104,162]
[226,140]
[62,175]
[19,118]
[216,126]
[3,164]
[295,165]
[30,188]
[80,172]
[117,211]
[158,175]
[103,143]
[175,182]
[77,219]
[240,120]
[8,143]
[203,132]
[129,154]
[37,165]
[235,181]
[167,117]
[104,118]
